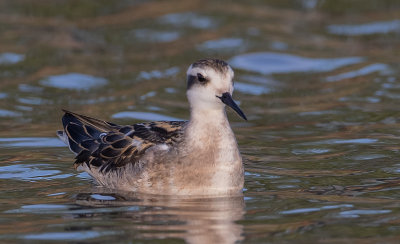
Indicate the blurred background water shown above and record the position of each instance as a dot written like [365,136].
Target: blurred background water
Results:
[318,80]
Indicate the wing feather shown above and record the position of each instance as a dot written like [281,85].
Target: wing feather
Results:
[105,145]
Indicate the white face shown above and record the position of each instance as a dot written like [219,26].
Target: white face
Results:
[203,94]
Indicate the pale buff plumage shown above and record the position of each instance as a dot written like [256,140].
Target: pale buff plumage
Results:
[197,157]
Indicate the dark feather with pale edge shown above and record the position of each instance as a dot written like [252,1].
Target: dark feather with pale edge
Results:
[102,144]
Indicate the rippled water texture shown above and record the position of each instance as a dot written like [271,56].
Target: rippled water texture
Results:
[318,80]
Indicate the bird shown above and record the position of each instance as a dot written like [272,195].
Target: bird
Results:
[198,157]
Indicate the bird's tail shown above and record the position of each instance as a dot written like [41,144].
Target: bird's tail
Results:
[81,132]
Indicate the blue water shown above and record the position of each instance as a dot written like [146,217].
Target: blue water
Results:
[143,116]
[271,63]
[318,80]
[74,81]
[378,27]
[11,58]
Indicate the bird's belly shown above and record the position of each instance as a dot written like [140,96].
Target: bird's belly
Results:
[176,178]
[188,180]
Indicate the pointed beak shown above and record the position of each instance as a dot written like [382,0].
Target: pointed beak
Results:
[227,99]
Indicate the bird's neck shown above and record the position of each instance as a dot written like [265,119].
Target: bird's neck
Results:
[209,126]
[209,118]
[210,136]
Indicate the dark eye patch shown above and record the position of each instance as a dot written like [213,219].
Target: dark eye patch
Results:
[193,79]
[201,78]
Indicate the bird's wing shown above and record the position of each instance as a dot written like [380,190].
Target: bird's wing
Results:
[108,146]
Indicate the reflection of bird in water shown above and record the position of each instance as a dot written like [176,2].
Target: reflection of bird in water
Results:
[195,220]
[195,157]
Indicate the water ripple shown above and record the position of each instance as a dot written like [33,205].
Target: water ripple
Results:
[158,74]
[29,88]
[251,89]
[156,36]
[102,197]
[280,46]
[343,141]
[11,58]
[143,116]
[379,27]
[73,236]
[222,44]
[188,19]
[74,81]
[368,156]
[31,142]
[381,68]
[310,151]
[357,213]
[32,100]
[147,95]
[9,113]
[30,172]
[45,207]
[309,210]
[274,63]
[300,210]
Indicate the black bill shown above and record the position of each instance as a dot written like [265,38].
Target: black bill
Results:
[227,99]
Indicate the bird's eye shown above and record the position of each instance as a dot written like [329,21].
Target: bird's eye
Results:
[201,78]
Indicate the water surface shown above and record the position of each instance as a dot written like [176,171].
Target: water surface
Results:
[318,80]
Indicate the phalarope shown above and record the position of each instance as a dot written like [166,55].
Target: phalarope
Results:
[195,157]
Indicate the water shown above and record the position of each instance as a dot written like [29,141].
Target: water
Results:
[281,63]
[318,80]
[10,58]
[379,27]
[73,81]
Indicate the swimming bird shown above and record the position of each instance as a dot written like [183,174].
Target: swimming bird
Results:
[196,157]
